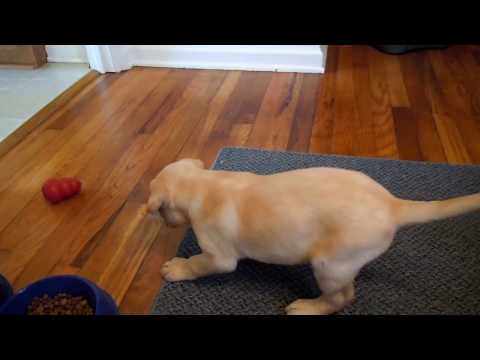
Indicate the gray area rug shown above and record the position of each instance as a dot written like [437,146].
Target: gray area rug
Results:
[430,269]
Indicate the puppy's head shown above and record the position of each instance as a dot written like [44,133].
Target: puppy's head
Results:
[164,190]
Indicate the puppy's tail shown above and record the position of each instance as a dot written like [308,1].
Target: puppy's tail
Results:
[415,212]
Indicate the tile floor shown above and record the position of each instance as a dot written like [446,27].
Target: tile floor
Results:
[23,92]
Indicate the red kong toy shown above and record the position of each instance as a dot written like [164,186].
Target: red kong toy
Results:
[59,189]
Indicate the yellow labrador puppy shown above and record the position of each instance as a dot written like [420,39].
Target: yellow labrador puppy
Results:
[337,220]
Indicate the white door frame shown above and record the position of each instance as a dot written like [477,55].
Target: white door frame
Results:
[108,58]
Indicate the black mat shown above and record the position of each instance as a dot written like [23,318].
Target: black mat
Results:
[430,269]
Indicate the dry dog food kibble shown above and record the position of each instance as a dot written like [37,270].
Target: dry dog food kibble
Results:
[61,304]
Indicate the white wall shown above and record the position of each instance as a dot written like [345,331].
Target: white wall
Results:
[67,53]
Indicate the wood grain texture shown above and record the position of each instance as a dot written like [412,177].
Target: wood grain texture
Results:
[322,130]
[415,69]
[384,127]
[365,143]
[346,114]
[301,131]
[396,86]
[274,120]
[148,280]
[464,63]
[244,103]
[120,130]
[453,142]
[193,148]
[407,134]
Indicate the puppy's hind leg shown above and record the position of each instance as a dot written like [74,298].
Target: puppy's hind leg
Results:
[337,289]
[336,274]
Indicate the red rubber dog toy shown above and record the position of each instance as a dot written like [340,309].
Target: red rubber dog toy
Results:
[59,189]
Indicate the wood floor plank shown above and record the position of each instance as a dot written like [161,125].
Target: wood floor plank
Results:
[458,130]
[301,131]
[396,85]
[181,123]
[250,92]
[117,277]
[15,160]
[243,104]
[471,66]
[322,131]
[195,145]
[346,117]
[177,82]
[452,84]
[85,254]
[364,130]
[4,255]
[113,238]
[98,91]
[240,134]
[414,68]
[148,280]
[455,150]
[407,134]
[384,126]
[272,125]
[465,71]
[65,270]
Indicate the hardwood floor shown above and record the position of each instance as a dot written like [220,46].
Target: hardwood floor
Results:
[121,129]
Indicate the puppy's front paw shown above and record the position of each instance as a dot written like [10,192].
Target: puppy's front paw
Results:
[176,270]
[307,307]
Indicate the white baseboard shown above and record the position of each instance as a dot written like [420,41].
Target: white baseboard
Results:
[66,53]
[281,58]
[59,59]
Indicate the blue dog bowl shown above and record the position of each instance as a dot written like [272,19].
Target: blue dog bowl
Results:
[100,301]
